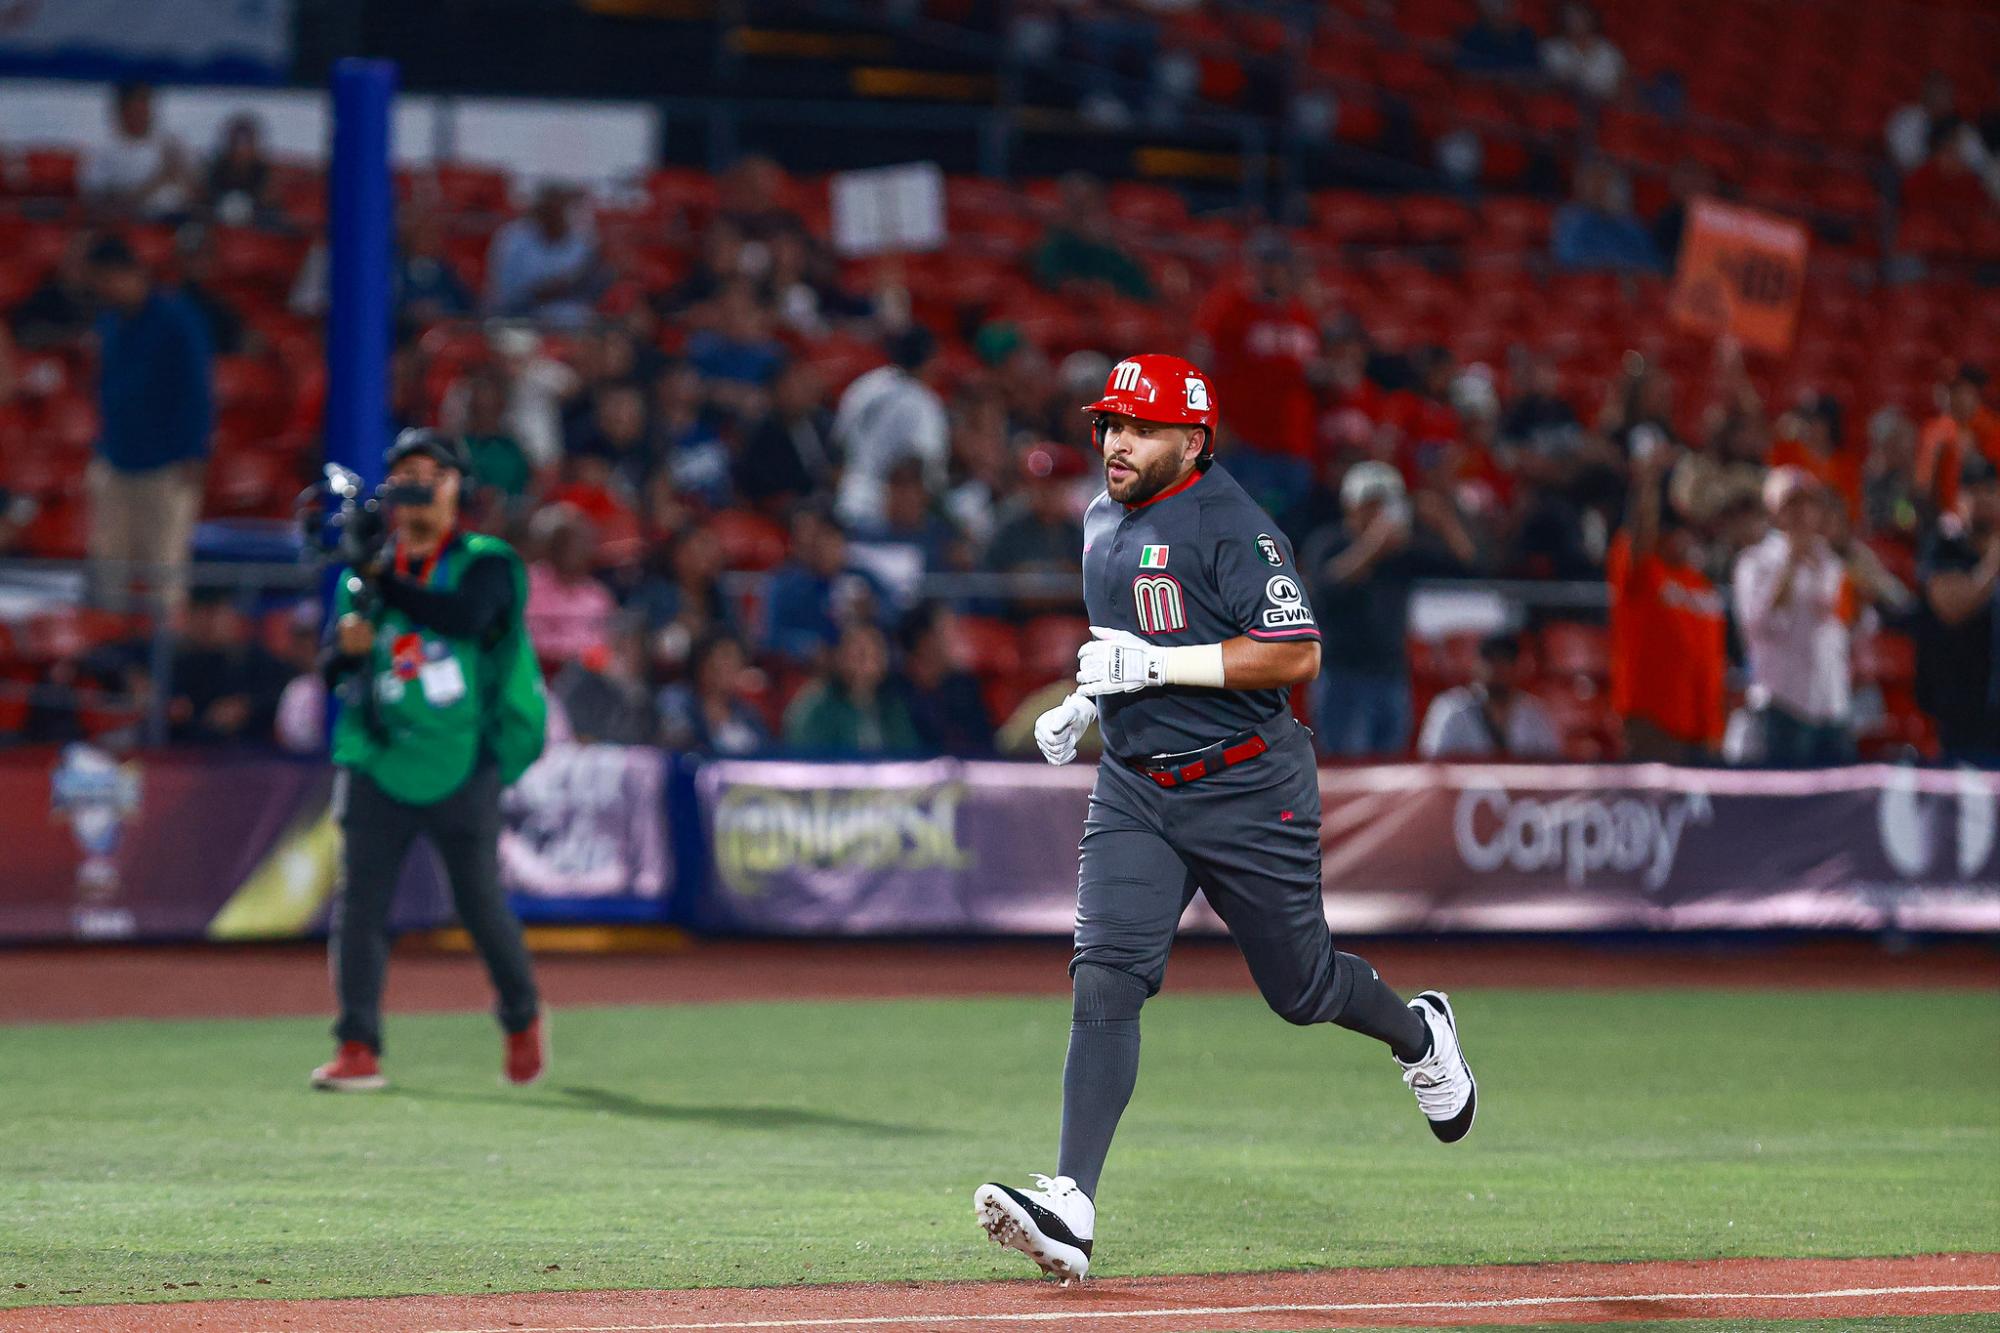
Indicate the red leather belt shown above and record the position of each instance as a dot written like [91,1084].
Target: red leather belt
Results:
[1176,770]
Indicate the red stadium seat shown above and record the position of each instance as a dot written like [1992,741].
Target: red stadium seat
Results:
[1886,659]
[1524,222]
[302,195]
[1569,648]
[68,419]
[986,646]
[1351,217]
[471,189]
[1049,644]
[258,256]
[676,190]
[749,541]
[1435,220]
[244,383]
[17,686]
[839,358]
[45,172]
[1003,694]
[1158,207]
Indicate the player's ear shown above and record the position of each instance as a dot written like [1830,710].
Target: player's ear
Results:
[1198,441]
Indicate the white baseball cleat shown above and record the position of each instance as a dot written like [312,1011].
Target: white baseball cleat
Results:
[1051,1225]
[1442,1080]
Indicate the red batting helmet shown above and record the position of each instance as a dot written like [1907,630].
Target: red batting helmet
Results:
[1155,387]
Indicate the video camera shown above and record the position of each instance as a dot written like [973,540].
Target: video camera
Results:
[338,520]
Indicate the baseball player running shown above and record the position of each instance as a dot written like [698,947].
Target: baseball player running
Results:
[1199,628]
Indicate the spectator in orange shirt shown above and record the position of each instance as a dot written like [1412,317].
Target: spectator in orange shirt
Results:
[1262,345]
[1965,424]
[1668,652]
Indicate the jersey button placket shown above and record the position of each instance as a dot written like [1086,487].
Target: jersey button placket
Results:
[1118,549]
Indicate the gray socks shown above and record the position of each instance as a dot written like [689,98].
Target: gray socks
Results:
[1102,1069]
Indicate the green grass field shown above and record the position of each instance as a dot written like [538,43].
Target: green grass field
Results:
[770,1143]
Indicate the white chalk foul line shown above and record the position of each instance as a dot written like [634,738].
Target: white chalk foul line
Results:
[1203,1312]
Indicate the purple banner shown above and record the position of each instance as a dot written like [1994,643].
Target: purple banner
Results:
[588,822]
[175,846]
[946,847]
[187,846]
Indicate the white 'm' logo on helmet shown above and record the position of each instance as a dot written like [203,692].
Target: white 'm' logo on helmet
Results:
[1197,395]
[1125,377]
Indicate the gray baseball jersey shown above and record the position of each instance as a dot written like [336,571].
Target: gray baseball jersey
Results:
[1198,563]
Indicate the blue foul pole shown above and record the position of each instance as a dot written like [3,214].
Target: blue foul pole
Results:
[361,217]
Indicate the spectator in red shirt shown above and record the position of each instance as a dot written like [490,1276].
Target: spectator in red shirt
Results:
[1424,416]
[1261,344]
[1963,427]
[1941,197]
[589,484]
[1669,652]
[1348,386]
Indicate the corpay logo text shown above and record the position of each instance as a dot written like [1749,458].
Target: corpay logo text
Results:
[1576,834]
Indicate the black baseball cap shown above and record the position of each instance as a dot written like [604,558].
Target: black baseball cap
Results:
[910,348]
[111,252]
[443,449]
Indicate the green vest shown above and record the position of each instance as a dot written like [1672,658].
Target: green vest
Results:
[437,700]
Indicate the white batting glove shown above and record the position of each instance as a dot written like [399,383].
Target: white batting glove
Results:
[1058,730]
[1117,661]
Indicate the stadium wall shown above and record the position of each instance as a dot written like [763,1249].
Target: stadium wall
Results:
[187,847]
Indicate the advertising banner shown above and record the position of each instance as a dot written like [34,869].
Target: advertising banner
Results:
[175,847]
[587,824]
[901,848]
[945,847]
[188,846]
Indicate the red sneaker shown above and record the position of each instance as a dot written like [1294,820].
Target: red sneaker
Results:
[528,1052]
[353,1068]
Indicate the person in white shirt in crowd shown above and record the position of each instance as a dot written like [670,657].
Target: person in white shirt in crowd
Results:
[1908,133]
[1792,597]
[1492,717]
[1581,56]
[143,171]
[545,264]
[885,416]
[538,387]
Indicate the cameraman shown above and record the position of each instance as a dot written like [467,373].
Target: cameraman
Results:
[443,706]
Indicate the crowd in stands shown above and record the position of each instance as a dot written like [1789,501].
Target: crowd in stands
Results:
[654,403]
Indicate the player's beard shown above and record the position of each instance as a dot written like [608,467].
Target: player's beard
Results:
[1145,481]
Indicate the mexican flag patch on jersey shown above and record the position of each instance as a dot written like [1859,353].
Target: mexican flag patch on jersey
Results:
[1152,557]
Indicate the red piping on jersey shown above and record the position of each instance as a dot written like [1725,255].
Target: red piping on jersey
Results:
[1175,489]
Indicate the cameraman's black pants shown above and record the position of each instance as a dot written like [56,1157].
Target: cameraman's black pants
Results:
[465,828]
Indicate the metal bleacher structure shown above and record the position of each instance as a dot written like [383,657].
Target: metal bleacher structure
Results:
[1782,102]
